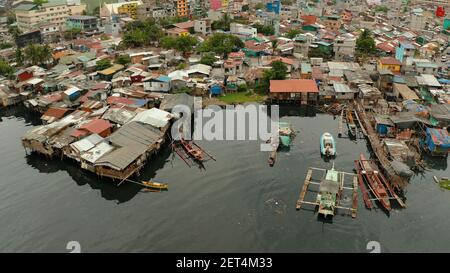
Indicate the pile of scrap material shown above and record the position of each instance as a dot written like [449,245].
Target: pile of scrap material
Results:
[37,138]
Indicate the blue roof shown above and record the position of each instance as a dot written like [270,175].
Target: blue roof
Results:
[399,79]
[444,81]
[407,45]
[164,78]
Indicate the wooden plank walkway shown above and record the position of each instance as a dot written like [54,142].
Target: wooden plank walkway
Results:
[397,181]
[304,189]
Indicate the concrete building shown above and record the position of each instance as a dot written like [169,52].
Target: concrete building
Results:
[202,26]
[182,8]
[418,20]
[243,30]
[403,51]
[344,48]
[32,16]
[82,22]
[107,10]
[129,9]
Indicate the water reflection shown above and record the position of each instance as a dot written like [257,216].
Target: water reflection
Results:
[109,189]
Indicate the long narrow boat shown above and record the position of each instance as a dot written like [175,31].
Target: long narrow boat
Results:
[192,150]
[156,185]
[351,123]
[375,183]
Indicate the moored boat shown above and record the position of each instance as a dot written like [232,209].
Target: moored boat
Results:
[375,184]
[328,191]
[327,145]
[156,185]
[351,123]
[193,151]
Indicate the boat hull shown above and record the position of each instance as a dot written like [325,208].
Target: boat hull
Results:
[372,178]
[327,150]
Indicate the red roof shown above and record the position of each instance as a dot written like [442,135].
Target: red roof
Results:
[185,25]
[97,126]
[56,112]
[390,61]
[117,100]
[308,19]
[293,86]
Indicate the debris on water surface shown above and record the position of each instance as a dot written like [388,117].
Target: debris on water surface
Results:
[277,206]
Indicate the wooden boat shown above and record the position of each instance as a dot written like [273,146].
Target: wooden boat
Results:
[375,183]
[351,123]
[156,185]
[327,145]
[275,143]
[192,150]
[328,192]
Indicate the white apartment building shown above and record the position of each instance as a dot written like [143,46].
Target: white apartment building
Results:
[31,16]
[243,30]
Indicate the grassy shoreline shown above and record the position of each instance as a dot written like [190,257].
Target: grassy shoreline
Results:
[242,97]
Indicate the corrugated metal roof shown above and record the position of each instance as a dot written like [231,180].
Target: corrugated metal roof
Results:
[135,133]
[86,143]
[155,117]
[341,88]
[97,152]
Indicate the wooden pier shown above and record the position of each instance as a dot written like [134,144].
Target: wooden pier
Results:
[396,181]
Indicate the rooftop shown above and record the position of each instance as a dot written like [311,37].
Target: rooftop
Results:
[293,86]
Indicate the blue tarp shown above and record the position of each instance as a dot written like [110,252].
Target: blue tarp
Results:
[437,139]
[216,90]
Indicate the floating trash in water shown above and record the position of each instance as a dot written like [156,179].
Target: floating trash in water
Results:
[277,206]
[445,184]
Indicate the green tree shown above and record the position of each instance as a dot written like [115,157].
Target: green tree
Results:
[292,33]
[383,9]
[5,69]
[185,43]
[96,11]
[168,42]
[208,58]
[278,71]
[71,34]
[221,43]
[365,44]
[142,33]
[123,59]
[37,54]
[223,23]
[5,45]
[259,6]
[103,64]
[14,31]
[181,66]
[39,3]
[19,57]
[265,29]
